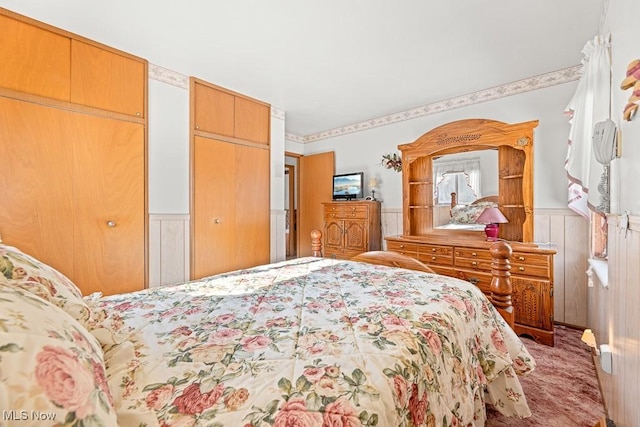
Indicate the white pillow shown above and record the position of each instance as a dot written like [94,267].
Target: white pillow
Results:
[50,366]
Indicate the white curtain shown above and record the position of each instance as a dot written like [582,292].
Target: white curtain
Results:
[590,104]
[469,167]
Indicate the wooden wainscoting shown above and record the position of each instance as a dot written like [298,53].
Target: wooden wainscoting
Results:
[169,246]
[569,232]
[278,228]
[168,249]
[614,317]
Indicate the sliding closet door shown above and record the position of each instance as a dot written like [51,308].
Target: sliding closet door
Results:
[230,206]
[109,177]
[36,206]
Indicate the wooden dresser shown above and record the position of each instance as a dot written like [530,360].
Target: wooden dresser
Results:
[469,259]
[351,227]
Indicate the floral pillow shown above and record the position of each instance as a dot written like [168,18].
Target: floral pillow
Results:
[462,214]
[51,369]
[23,271]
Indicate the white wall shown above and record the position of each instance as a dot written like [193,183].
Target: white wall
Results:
[362,151]
[622,24]
[613,312]
[168,149]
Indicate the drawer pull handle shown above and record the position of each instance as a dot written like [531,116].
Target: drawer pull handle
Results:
[401,246]
[433,258]
[521,268]
[353,214]
[474,263]
[473,280]
[474,254]
[433,249]
[520,258]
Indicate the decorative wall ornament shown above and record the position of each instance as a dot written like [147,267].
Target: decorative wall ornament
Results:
[392,161]
[277,113]
[631,80]
[165,75]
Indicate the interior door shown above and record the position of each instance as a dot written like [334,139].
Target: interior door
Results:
[316,184]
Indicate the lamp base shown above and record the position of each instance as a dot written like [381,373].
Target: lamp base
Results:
[492,231]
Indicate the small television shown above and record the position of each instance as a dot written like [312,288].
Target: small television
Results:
[348,186]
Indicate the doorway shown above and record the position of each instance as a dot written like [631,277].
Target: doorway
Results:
[291,215]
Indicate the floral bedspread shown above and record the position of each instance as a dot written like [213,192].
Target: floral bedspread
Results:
[312,342]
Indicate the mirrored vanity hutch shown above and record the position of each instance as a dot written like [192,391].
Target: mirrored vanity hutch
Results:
[465,253]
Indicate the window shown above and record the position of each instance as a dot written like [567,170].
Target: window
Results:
[461,177]
[598,235]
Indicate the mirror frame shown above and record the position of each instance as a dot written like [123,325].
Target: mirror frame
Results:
[515,174]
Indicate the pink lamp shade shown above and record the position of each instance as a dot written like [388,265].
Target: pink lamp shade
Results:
[492,217]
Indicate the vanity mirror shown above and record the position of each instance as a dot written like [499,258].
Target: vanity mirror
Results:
[424,212]
[459,180]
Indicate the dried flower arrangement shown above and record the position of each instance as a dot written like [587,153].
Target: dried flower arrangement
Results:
[392,161]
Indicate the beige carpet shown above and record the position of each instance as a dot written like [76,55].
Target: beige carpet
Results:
[563,389]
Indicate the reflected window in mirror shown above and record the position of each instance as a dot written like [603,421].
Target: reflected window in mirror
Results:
[464,184]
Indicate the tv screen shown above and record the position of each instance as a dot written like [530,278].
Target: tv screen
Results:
[348,186]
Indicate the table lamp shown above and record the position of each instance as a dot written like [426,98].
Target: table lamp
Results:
[373,184]
[491,217]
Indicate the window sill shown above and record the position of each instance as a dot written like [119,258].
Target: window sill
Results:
[601,268]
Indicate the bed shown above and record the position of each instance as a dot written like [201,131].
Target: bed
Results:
[463,217]
[306,342]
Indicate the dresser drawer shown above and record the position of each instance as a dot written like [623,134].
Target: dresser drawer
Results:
[475,264]
[529,259]
[518,269]
[472,253]
[481,280]
[435,250]
[410,249]
[345,212]
[428,258]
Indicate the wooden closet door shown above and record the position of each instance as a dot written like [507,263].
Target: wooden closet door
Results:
[214,207]
[36,195]
[230,215]
[253,206]
[34,60]
[107,80]
[109,185]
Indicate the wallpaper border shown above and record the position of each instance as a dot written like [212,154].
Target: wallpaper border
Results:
[542,81]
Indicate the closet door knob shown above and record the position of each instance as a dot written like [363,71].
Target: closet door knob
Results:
[111,224]
[216,221]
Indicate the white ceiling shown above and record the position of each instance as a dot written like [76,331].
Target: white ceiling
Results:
[332,63]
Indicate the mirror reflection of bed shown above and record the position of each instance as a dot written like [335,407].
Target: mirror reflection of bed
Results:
[465,184]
